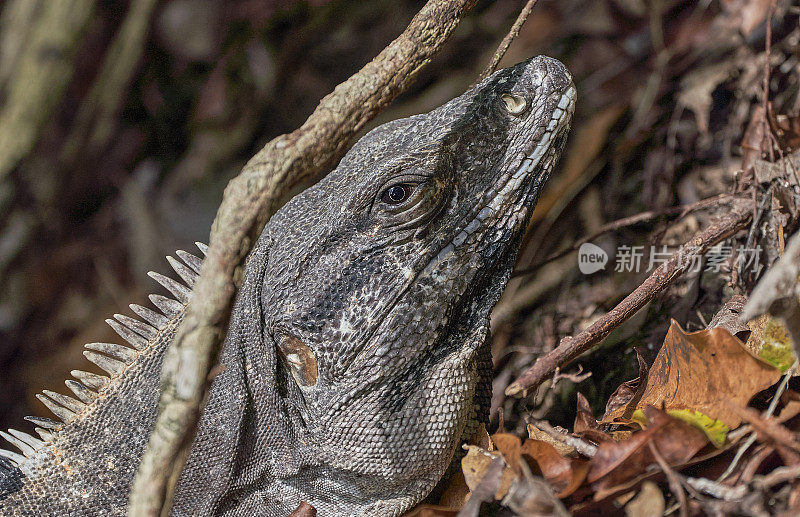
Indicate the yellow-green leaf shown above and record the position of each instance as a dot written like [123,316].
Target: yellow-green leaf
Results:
[777,349]
[715,430]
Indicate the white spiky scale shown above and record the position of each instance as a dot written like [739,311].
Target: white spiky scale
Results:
[121,352]
[47,423]
[186,274]
[26,449]
[60,411]
[145,330]
[13,457]
[31,441]
[113,358]
[202,247]
[152,317]
[166,305]
[83,393]
[92,380]
[112,366]
[44,434]
[180,291]
[137,341]
[74,405]
[192,261]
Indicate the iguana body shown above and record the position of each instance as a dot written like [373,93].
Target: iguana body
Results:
[357,353]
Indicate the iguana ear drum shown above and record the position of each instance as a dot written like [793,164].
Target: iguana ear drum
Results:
[300,359]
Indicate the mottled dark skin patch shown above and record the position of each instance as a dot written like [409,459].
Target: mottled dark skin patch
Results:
[11,479]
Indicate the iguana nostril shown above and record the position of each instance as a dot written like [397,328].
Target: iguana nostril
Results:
[514,104]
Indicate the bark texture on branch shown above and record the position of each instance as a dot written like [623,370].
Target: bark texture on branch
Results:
[571,347]
[249,200]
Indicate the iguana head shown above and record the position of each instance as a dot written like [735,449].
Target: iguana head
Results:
[372,289]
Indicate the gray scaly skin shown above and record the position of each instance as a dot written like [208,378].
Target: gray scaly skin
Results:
[357,356]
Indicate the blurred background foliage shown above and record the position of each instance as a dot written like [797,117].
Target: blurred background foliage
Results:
[122,121]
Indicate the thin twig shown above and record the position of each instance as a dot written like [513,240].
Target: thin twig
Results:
[777,476]
[757,213]
[574,377]
[249,200]
[682,211]
[512,34]
[582,446]
[717,489]
[669,271]
[672,478]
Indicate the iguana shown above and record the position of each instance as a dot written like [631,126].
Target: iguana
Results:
[357,356]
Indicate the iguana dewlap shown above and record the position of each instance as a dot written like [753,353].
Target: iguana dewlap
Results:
[357,354]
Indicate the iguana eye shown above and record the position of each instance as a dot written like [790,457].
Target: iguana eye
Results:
[397,194]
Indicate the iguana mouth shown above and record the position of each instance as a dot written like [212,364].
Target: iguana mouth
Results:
[558,124]
[524,178]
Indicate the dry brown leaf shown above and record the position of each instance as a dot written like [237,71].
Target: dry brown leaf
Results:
[537,434]
[509,446]
[476,464]
[585,424]
[584,418]
[708,453]
[617,462]
[564,474]
[621,434]
[624,399]
[701,369]
[649,502]
[457,492]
